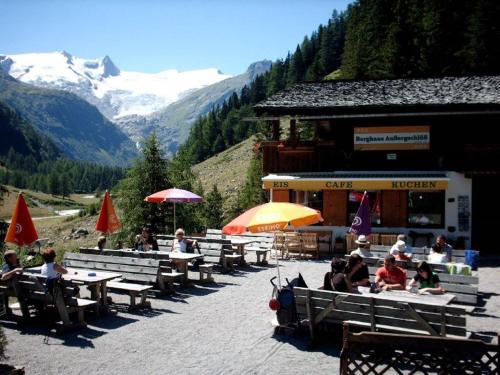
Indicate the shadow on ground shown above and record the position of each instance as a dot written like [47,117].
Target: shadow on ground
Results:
[327,342]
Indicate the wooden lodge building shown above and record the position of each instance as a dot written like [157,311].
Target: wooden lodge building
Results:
[424,149]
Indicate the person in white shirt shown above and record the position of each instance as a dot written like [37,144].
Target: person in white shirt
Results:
[181,244]
[363,247]
[436,256]
[395,248]
[51,269]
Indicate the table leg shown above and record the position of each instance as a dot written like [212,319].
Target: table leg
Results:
[95,296]
[241,249]
[104,296]
[183,265]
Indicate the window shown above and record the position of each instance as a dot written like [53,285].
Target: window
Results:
[375,200]
[426,209]
[313,199]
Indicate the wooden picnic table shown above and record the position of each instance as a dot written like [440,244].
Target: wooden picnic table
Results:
[259,252]
[240,245]
[181,260]
[406,296]
[97,284]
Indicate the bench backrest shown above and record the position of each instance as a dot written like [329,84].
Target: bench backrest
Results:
[212,249]
[378,312]
[162,255]
[132,269]
[465,288]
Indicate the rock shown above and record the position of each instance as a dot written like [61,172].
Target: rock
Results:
[82,231]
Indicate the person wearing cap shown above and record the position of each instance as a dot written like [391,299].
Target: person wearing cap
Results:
[395,249]
[400,246]
[390,276]
[11,266]
[363,247]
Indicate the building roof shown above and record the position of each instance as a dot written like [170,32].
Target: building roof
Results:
[359,175]
[346,96]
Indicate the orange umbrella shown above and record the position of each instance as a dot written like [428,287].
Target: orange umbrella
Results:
[273,216]
[21,229]
[108,221]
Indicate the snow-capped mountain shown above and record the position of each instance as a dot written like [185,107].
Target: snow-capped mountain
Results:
[116,93]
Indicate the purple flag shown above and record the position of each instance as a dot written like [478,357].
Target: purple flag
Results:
[362,222]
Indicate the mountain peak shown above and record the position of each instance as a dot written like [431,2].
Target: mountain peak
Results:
[109,67]
[258,67]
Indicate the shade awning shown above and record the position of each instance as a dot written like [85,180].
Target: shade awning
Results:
[357,181]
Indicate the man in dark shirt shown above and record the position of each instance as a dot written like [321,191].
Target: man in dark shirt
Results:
[11,266]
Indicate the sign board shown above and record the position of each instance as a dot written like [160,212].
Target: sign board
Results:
[357,184]
[392,138]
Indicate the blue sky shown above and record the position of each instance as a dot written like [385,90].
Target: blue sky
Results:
[154,35]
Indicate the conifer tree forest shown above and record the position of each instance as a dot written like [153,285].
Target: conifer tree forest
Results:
[372,39]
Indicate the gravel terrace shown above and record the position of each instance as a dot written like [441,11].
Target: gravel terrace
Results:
[222,328]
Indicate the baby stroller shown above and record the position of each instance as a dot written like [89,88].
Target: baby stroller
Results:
[283,301]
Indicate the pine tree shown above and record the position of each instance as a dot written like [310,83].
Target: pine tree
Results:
[148,175]
[213,209]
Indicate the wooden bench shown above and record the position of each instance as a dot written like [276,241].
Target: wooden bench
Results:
[30,291]
[465,288]
[133,270]
[374,353]
[205,271]
[377,313]
[218,251]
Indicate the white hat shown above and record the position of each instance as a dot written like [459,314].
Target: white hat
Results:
[362,240]
[400,246]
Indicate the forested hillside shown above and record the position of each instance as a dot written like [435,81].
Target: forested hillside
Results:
[29,159]
[372,39]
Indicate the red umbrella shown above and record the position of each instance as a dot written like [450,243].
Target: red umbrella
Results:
[175,196]
[21,229]
[108,221]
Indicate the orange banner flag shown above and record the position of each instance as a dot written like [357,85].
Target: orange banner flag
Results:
[108,221]
[21,229]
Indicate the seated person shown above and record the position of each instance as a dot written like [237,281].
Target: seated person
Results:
[363,247]
[357,272]
[101,243]
[401,254]
[182,244]
[11,266]
[445,247]
[335,279]
[51,269]
[395,250]
[436,256]
[145,241]
[390,276]
[427,280]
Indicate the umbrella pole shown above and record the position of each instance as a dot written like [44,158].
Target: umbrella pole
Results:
[277,261]
[175,228]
